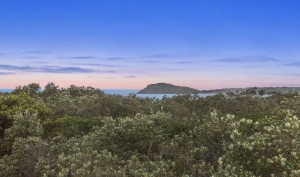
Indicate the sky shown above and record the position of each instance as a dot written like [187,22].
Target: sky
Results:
[128,44]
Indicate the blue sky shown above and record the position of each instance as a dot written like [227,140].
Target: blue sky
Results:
[132,43]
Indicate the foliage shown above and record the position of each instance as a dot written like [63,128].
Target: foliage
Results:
[32,89]
[80,131]
[11,104]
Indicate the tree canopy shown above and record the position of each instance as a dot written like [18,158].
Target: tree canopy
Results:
[81,131]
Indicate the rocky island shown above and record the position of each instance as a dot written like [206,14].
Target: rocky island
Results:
[164,88]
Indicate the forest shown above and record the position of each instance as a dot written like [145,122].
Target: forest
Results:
[83,132]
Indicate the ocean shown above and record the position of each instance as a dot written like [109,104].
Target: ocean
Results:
[6,90]
[126,92]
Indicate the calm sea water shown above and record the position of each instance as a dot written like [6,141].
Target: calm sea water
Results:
[126,92]
[6,90]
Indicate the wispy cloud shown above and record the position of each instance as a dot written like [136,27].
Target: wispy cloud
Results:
[184,62]
[116,58]
[293,74]
[41,62]
[106,71]
[31,57]
[83,57]
[150,61]
[88,57]
[16,68]
[78,57]
[247,59]
[6,73]
[294,64]
[168,69]
[58,69]
[159,56]
[159,61]
[129,77]
[53,69]
[35,52]
[97,64]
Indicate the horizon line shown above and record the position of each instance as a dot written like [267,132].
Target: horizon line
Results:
[172,84]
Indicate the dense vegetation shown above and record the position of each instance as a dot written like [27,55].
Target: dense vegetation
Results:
[82,132]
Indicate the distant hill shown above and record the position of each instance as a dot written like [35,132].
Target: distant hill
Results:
[164,88]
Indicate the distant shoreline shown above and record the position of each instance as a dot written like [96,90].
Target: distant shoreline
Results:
[209,91]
